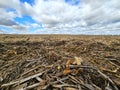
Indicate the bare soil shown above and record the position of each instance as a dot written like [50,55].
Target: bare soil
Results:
[45,62]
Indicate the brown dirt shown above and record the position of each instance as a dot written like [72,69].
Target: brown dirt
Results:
[22,56]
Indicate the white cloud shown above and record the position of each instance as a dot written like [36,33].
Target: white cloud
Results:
[19,27]
[6,18]
[9,4]
[59,16]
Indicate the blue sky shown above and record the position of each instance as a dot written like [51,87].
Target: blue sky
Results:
[31,2]
[60,17]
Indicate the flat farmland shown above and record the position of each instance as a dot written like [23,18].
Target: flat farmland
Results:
[54,62]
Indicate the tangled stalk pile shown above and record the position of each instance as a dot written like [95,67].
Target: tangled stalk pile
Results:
[59,65]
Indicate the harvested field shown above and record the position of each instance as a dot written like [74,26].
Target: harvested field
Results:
[59,62]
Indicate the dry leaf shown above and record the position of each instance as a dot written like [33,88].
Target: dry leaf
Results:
[67,71]
[74,72]
[68,63]
[77,61]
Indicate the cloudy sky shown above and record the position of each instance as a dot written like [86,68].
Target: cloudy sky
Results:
[60,17]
